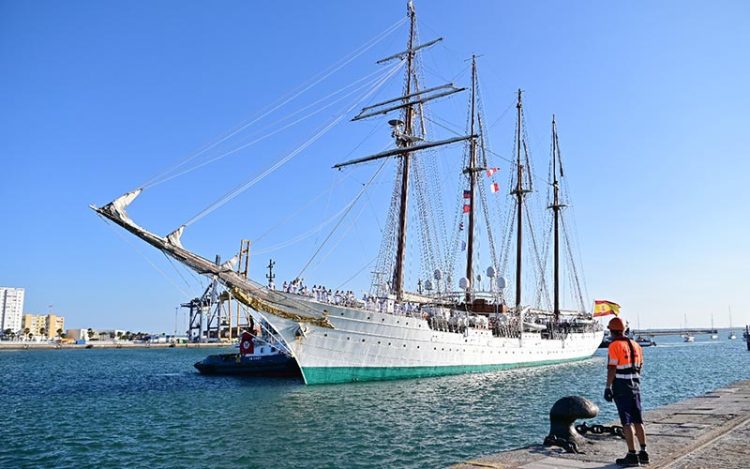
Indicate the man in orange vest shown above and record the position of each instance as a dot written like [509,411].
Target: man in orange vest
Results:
[624,387]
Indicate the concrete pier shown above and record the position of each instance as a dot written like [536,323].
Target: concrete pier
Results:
[711,430]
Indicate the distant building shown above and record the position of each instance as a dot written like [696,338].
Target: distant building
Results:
[77,334]
[11,308]
[33,323]
[53,324]
[39,325]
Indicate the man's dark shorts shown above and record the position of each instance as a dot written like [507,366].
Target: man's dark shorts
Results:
[628,401]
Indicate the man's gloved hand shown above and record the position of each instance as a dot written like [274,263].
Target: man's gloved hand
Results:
[608,395]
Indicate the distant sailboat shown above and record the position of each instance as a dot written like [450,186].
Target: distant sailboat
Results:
[732,335]
[687,336]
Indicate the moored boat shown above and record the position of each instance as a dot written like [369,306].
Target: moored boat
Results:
[645,341]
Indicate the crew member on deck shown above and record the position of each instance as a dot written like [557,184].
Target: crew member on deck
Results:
[624,387]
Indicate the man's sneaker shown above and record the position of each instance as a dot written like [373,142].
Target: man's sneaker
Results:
[630,460]
[643,457]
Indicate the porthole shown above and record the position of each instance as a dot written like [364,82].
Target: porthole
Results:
[417,346]
[404,345]
[325,335]
[348,338]
[389,343]
[363,340]
[342,314]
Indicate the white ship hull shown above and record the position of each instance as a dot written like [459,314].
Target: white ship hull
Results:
[365,345]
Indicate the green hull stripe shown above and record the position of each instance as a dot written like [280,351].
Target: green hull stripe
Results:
[330,375]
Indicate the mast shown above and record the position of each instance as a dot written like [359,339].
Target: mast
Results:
[556,211]
[406,142]
[519,193]
[472,172]
[398,274]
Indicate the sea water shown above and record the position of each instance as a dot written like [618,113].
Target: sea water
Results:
[150,407]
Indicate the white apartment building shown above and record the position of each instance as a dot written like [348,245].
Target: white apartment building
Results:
[11,308]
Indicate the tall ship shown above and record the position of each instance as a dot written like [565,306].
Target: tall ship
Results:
[435,329]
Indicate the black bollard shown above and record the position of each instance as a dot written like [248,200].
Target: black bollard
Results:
[562,416]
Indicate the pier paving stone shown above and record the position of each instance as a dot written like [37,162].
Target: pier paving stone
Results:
[711,430]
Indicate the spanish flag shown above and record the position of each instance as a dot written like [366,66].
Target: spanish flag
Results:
[605,308]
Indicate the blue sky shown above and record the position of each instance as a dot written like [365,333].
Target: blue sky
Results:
[97,97]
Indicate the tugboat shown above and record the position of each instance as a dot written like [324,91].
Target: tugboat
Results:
[264,359]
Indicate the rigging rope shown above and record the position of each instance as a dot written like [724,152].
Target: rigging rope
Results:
[343,217]
[243,187]
[277,130]
[304,87]
[346,231]
[128,241]
[301,209]
[538,265]
[305,235]
[340,286]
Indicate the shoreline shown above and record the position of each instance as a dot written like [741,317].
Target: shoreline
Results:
[709,430]
[22,346]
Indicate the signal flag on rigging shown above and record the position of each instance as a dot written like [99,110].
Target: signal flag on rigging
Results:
[491,171]
[467,208]
[605,308]
[494,187]
[467,194]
